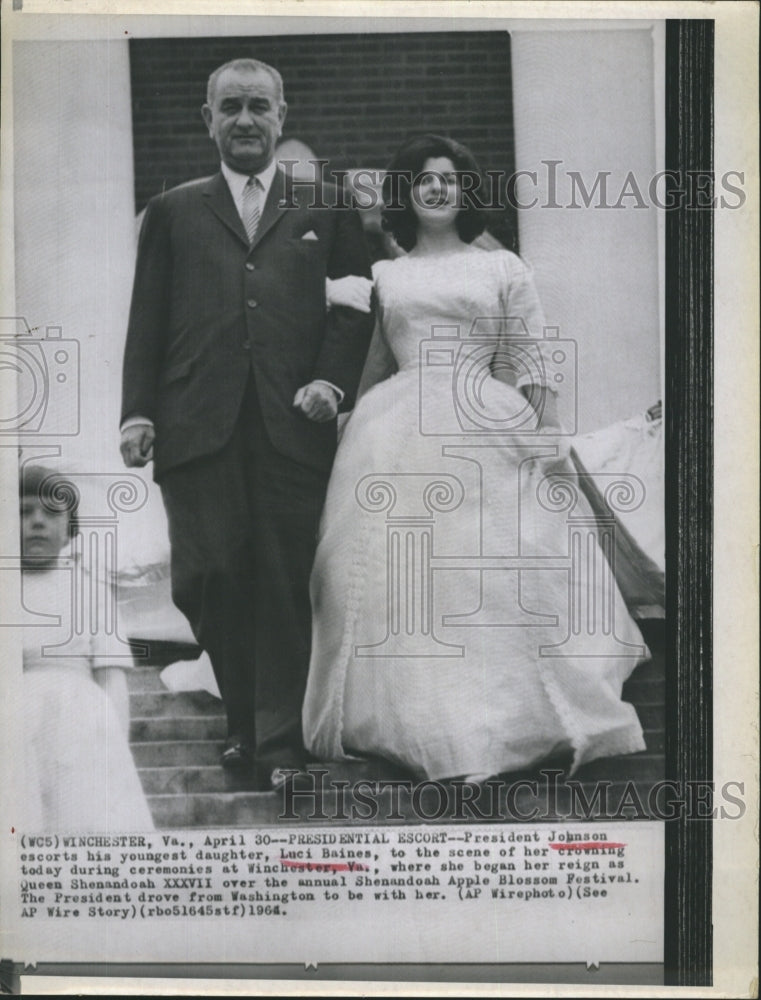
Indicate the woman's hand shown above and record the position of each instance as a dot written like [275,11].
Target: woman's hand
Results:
[545,404]
[352,291]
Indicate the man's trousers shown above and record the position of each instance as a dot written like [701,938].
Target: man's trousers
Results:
[242,525]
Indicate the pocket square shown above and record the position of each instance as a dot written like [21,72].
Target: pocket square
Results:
[311,235]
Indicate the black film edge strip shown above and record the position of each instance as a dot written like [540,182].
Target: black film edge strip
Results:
[689,503]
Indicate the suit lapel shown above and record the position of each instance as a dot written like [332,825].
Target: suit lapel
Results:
[279,200]
[220,201]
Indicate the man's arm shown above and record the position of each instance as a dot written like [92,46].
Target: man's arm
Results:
[149,316]
[320,400]
[347,331]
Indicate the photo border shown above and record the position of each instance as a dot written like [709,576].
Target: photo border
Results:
[689,511]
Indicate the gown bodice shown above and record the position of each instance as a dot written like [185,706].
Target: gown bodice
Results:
[473,297]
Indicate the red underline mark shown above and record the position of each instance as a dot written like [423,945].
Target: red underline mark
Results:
[324,866]
[584,845]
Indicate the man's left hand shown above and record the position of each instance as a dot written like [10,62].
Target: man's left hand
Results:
[317,401]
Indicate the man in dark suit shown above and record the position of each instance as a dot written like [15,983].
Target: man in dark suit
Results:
[234,372]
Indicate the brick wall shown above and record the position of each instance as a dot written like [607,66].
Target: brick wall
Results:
[351,98]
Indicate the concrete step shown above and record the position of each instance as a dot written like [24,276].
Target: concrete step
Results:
[141,680]
[655,740]
[180,727]
[193,780]
[645,693]
[174,753]
[645,766]
[653,667]
[652,716]
[234,805]
[248,809]
[163,703]
[179,780]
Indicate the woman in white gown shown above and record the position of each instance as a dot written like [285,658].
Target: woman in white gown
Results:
[430,647]
[80,775]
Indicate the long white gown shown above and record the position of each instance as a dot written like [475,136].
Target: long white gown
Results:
[80,774]
[431,647]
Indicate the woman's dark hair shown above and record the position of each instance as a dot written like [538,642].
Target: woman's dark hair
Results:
[54,491]
[398,217]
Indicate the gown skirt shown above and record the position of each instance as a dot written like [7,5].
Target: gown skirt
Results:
[81,777]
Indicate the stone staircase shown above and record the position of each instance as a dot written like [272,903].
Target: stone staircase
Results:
[177,738]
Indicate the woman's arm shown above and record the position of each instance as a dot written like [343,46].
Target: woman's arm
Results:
[352,291]
[380,363]
[521,306]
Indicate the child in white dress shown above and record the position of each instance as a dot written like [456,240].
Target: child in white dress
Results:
[80,773]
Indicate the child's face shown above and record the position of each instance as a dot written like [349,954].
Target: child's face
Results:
[43,532]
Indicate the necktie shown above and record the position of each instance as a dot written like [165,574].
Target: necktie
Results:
[251,206]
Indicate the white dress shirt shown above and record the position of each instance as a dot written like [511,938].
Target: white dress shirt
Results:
[236,182]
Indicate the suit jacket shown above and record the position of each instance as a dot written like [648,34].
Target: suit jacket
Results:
[208,310]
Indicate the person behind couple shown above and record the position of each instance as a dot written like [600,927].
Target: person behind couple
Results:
[441,672]
[234,373]
[81,775]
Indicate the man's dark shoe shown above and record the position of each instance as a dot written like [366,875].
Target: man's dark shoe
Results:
[237,754]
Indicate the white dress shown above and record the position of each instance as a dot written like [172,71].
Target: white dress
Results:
[80,775]
[464,618]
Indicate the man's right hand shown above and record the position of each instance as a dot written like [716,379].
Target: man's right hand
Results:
[137,444]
